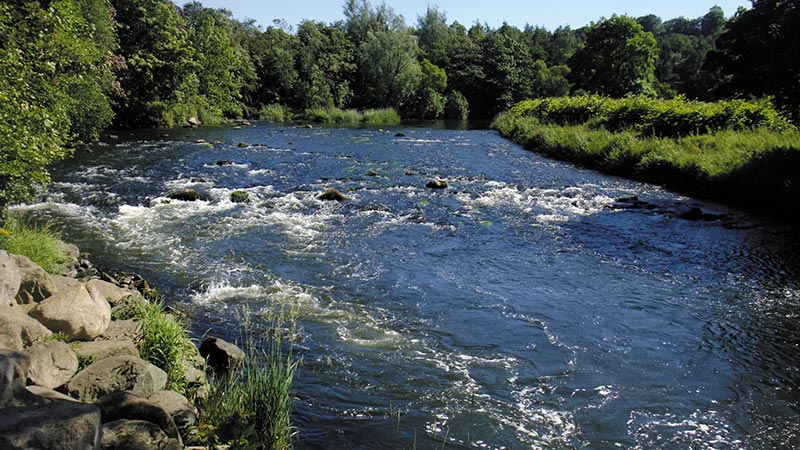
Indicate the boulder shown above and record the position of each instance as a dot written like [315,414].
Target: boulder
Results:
[332,195]
[56,426]
[697,214]
[136,435]
[97,350]
[117,373]
[192,122]
[220,355]
[243,145]
[124,405]
[185,195]
[35,284]
[52,364]
[122,330]
[75,313]
[183,413]
[10,279]
[239,196]
[224,163]
[13,372]
[437,184]
[111,293]
[19,330]
[73,254]
[50,395]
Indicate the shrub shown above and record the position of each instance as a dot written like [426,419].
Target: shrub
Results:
[41,243]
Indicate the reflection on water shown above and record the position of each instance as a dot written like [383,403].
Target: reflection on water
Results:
[521,307]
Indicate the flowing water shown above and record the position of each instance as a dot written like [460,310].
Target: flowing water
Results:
[522,307]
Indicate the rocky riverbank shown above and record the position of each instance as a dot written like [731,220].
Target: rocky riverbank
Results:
[71,376]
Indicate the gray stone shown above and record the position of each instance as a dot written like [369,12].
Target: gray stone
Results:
[52,364]
[122,330]
[13,372]
[49,395]
[437,184]
[35,284]
[332,195]
[10,279]
[136,435]
[19,330]
[183,413]
[56,426]
[124,405]
[114,295]
[75,313]
[117,373]
[97,350]
[220,355]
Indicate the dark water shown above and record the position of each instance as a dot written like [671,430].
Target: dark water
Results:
[519,308]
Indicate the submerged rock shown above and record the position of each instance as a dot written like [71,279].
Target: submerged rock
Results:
[437,184]
[239,196]
[243,145]
[332,195]
[185,195]
[697,214]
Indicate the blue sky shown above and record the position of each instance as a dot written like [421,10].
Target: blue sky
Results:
[549,13]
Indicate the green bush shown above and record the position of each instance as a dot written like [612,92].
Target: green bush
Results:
[41,243]
[164,342]
[351,116]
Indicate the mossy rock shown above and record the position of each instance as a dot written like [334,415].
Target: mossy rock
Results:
[332,195]
[186,195]
[240,197]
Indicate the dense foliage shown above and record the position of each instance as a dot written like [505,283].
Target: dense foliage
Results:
[71,67]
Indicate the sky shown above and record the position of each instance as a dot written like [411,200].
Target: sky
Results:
[548,13]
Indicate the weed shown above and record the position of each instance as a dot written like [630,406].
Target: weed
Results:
[164,342]
[41,243]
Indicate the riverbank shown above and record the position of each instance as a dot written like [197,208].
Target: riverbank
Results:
[94,360]
[754,167]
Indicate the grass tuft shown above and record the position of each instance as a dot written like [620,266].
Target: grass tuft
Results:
[252,407]
[164,342]
[41,243]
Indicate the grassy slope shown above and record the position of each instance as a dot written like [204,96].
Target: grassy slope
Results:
[755,169]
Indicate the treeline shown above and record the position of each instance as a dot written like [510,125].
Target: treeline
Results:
[70,68]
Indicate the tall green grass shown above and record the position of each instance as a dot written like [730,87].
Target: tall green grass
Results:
[756,168]
[252,407]
[275,113]
[41,243]
[654,117]
[164,342]
[387,116]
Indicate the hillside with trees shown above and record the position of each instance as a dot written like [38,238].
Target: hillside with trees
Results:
[73,68]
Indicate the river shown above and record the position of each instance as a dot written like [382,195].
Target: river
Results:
[522,307]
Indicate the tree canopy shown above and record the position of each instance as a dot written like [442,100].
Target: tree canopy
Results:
[71,67]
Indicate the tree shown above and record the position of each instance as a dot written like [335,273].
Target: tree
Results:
[224,64]
[759,54]
[326,63]
[56,63]
[388,67]
[434,36]
[617,59]
[508,66]
[273,53]
[160,80]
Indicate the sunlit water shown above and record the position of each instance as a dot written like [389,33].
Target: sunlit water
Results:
[519,308]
